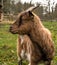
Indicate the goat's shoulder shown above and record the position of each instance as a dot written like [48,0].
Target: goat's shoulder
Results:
[46,31]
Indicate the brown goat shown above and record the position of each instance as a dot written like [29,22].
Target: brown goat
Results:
[40,40]
[26,50]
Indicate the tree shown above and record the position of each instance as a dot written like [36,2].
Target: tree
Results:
[27,5]
[21,7]
[6,6]
[18,6]
[39,10]
[9,6]
[55,12]
[13,8]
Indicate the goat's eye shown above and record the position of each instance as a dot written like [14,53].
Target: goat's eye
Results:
[20,21]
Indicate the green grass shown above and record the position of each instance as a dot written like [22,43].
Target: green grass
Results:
[7,46]
[8,55]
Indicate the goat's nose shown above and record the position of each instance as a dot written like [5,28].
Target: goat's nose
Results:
[10,27]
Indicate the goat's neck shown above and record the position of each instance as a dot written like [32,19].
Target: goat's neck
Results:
[37,22]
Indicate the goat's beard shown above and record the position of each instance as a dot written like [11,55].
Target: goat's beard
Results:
[21,37]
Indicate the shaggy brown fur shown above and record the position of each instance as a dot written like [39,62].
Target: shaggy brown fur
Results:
[29,48]
[28,23]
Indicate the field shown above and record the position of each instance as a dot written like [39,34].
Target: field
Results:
[8,55]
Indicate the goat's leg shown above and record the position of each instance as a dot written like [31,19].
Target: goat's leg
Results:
[20,62]
[32,63]
[48,63]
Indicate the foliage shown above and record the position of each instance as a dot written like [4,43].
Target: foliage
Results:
[8,42]
[39,11]
[6,6]
[18,7]
[10,7]
[55,12]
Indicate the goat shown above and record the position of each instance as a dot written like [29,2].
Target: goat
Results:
[26,50]
[40,39]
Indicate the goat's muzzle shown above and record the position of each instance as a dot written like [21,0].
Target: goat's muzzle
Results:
[12,30]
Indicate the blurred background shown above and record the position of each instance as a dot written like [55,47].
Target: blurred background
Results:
[10,8]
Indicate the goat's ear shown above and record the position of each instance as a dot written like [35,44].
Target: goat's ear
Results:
[30,13]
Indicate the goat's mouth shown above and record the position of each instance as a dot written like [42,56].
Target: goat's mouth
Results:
[13,31]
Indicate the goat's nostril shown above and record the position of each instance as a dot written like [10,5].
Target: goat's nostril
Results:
[11,28]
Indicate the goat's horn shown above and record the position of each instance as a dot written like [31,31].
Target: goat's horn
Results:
[32,8]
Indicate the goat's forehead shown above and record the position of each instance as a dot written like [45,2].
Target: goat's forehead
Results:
[25,13]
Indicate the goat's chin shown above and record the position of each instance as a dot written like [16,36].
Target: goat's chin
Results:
[13,32]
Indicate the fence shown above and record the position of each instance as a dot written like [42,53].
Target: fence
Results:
[9,17]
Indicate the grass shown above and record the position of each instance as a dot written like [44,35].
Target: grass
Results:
[7,46]
[8,41]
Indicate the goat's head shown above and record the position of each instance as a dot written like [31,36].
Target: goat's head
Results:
[23,17]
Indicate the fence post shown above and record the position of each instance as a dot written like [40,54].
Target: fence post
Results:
[1,12]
